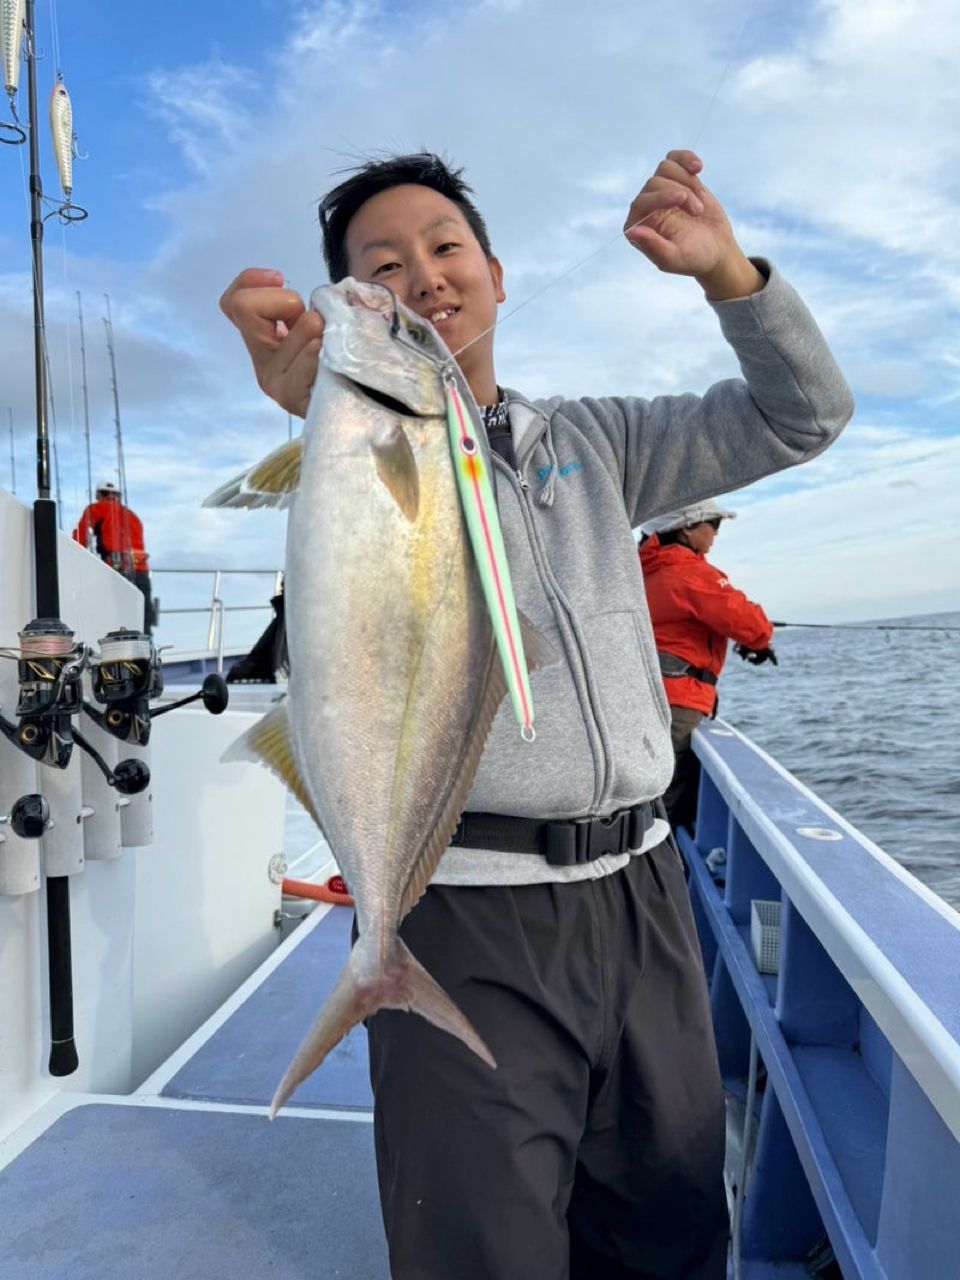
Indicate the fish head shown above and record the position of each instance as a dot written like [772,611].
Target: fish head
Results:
[371,338]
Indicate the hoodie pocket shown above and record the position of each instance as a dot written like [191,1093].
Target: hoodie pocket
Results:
[652,667]
[633,706]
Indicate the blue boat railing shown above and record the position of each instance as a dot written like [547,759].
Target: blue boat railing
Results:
[847,1060]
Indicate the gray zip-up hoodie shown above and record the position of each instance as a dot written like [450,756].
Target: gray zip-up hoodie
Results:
[589,471]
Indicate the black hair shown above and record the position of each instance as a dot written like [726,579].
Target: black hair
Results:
[422,169]
[671,536]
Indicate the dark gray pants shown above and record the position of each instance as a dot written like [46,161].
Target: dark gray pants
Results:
[680,798]
[595,1150]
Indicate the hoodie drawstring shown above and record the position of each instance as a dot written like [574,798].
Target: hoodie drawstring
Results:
[548,491]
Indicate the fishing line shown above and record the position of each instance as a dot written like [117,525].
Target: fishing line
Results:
[56,36]
[730,61]
[613,239]
[73,418]
[555,281]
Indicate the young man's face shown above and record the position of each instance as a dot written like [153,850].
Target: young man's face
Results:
[420,244]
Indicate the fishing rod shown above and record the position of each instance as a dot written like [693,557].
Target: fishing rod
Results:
[49,663]
[864,626]
[63,1050]
[118,433]
[86,402]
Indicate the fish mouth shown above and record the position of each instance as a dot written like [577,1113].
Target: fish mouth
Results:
[388,402]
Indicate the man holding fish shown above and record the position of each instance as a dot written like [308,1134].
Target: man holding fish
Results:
[555,937]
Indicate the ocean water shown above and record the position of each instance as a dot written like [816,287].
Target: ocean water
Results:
[870,720]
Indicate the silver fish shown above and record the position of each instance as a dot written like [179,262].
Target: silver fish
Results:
[394,674]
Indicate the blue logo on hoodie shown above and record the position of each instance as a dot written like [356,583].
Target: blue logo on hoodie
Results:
[568,469]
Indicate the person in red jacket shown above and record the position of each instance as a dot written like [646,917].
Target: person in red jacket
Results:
[114,533]
[695,611]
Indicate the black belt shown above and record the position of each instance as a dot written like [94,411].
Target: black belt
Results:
[564,842]
[671,667]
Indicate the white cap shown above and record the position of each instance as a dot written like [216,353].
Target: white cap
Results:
[687,516]
[107,486]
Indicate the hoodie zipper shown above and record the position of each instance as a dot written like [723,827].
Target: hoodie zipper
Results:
[565,614]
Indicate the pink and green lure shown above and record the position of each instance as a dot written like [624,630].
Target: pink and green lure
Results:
[483,523]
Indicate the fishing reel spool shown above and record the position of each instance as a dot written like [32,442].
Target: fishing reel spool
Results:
[125,676]
[49,669]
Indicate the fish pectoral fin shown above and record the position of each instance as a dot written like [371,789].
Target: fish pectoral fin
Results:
[270,742]
[402,984]
[397,468]
[268,483]
[537,649]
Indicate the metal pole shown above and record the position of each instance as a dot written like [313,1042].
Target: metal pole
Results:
[63,1050]
[86,401]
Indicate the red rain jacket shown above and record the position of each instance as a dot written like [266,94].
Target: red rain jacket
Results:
[695,611]
[117,535]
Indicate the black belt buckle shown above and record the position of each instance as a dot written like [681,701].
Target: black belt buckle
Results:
[579,840]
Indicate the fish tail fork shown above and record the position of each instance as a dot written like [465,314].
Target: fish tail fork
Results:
[402,983]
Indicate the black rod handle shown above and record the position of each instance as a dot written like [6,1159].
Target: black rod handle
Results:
[63,1049]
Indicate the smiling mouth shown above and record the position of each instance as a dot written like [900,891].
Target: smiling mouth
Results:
[440,317]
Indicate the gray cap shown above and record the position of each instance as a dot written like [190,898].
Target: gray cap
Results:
[696,513]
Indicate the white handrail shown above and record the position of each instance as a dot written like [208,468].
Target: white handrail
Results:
[218,608]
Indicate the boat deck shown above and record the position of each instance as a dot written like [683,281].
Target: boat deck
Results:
[187,1178]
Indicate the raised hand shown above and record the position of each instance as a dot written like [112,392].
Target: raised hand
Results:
[683,230]
[281,335]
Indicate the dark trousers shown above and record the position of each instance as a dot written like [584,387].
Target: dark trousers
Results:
[269,655]
[595,1150]
[142,582]
[680,798]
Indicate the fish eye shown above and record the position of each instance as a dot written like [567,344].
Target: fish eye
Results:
[416,333]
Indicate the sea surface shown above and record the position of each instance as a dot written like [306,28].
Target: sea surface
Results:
[870,720]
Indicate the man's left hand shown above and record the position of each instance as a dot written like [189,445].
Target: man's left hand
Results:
[756,656]
[684,231]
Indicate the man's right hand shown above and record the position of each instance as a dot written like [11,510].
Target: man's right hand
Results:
[281,334]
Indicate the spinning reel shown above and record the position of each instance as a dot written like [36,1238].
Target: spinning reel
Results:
[125,675]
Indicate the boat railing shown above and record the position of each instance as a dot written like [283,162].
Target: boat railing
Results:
[836,1005]
[216,609]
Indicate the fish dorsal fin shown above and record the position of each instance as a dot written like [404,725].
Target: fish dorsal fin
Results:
[268,483]
[270,742]
[397,468]
[540,653]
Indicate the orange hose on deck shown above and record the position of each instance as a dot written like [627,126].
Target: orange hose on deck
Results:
[334,890]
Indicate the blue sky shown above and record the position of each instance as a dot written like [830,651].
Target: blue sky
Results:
[828,130]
